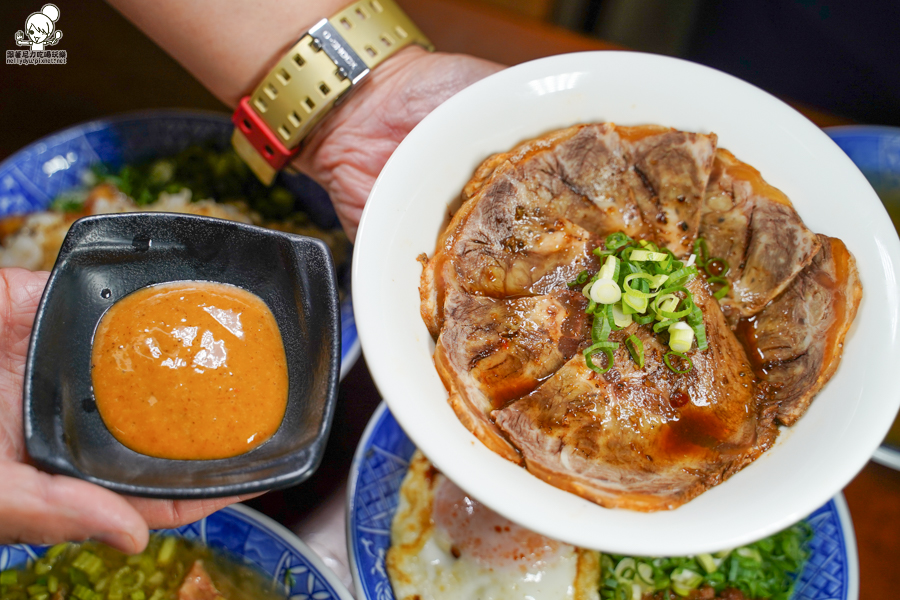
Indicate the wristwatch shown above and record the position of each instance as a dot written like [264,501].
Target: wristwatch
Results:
[318,72]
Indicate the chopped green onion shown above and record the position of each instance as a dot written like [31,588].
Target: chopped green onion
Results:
[56,550]
[36,589]
[600,329]
[687,359]
[605,291]
[658,280]
[636,349]
[600,347]
[157,579]
[630,291]
[614,241]
[580,280]
[684,581]
[701,251]
[166,551]
[707,562]
[700,333]
[620,318]
[782,558]
[637,303]
[643,319]
[90,564]
[625,569]
[83,593]
[645,572]
[751,553]
[663,325]
[722,291]
[681,337]
[610,268]
[646,255]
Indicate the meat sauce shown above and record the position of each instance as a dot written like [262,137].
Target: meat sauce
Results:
[190,370]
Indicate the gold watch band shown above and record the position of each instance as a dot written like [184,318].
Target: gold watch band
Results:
[316,73]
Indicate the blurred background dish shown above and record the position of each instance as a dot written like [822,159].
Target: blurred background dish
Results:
[242,533]
[876,151]
[381,463]
[31,179]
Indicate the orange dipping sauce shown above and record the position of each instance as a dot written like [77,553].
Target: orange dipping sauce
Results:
[190,370]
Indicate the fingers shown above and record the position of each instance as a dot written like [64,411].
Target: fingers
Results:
[20,294]
[166,514]
[37,508]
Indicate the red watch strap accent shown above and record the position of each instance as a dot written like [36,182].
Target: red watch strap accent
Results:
[260,136]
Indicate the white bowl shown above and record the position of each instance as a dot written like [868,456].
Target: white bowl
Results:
[809,463]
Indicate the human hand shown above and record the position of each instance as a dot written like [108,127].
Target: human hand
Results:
[351,147]
[39,508]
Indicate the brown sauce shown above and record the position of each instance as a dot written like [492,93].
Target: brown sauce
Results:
[190,370]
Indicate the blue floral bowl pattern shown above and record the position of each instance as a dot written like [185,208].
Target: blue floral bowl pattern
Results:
[380,465]
[31,178]
[241,532]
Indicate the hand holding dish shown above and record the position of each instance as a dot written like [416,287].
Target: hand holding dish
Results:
[103,260]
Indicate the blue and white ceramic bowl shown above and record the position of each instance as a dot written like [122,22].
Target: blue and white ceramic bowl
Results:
[876,151]
[31,178]
[380,465]
[244,533]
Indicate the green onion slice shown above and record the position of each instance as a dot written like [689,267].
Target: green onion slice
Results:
[600,329]
[630,291]
[600,347]
[636,349]
[614,241]
[580,280]
[687,359]
[720,293]
[700,334]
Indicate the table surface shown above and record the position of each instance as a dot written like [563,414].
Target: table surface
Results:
[121,70]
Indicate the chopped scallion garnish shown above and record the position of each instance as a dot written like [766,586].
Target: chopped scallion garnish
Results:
[642,283]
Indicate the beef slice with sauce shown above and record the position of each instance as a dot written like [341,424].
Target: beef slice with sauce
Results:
[754,227]
[532,216]
[491,351]
[645,439]
[673,168]
[795,342]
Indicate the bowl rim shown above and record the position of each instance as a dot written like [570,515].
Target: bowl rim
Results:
[886,454]
[381,242]
[292,539]
[46,457]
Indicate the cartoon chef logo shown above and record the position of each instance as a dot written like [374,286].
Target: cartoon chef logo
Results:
[40,29]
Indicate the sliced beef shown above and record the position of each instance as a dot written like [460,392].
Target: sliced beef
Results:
[198,585]
[673,168]
[754,227]
[491,351]
[532,216]
[795,343]
[645,439]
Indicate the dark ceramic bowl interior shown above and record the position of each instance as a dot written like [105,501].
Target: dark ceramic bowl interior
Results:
[105,258]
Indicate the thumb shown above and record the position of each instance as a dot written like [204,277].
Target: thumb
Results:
[37,508]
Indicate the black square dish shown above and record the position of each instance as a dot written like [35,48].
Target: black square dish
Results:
[105,258]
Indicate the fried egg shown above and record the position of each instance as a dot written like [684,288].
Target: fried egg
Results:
[445,544]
